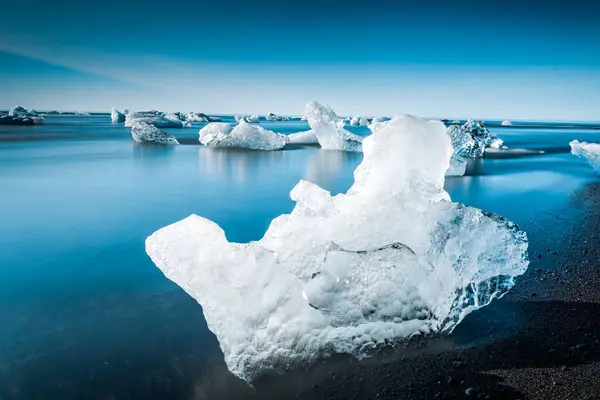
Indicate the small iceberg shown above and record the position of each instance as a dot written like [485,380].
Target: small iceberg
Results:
[329,129]
[116,116]
[355,121]
[472,138]
[82,113]
[241,136]
[254,118]
[193,117]
[363,122]
[273,117]
[588,151]
[303,138]
[156,118]
[20,116]
[303,118]
[142,132]
[392,258]
[506,123]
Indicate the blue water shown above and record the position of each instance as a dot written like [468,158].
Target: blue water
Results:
[84,312]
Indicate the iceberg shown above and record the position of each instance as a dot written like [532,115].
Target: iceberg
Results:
[588,151]
[20,116]
[355,121]
[472,138]
[117,116]
[82,113]
[307,137]
[303,118]
[242,136]
[142,132]
[193,117]
[506,123]
[329,129]
[363,122]
[390,259]
[253,118]
[273,117]
[153,117]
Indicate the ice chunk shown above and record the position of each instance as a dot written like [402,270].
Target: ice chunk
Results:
[588,151]
[456,122]
[458,166]
[391,258]
[329,129]
[254,118]
[20,116]
[243,136]
[506,123]
[355,121]
[153,117]
[193,117]
[471,139]
[142,132]
[19,111]
[117,116]
[273,117]
[363,122]
[239,118]
[306,137]
[303,118]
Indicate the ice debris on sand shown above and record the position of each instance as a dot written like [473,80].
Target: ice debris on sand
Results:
[156,118]
[241,136]
[588,151]
[307,137]
[143,132]
[472,138]
[390,259]
[117,116]
[329,129]
[506,123]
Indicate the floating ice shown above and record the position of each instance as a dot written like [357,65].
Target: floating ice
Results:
[82,113]
[363,122]
[254,118]
[355,121]
[506,123]
[193,117]
[242,136]
[588,151]
[156,118]
[458,166]
[303,118]
[471,139]
[142,132]
[273,117]
[117,116]
[239,118]
[329,129]
[20,116]
[306,137]
[391,258]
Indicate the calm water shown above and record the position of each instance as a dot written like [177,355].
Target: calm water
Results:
[86,314]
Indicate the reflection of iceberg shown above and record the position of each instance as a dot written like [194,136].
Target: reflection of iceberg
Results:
[230,164]
[306,137]
[472,138]
[193,117]
[506,123]
[390,259]
[324,167]
[242,136]
[142,132]
[116,116]
[588,151]
[82,113]
[329,129]
[153,117]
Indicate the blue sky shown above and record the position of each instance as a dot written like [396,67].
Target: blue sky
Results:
[489,59]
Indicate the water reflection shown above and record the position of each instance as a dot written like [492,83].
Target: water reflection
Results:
[237,164]
[143,151]
[325,166]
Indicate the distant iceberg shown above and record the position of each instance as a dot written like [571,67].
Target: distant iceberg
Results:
[506,123]
[20,116]
[457,167]
[116,116]
[153,117]
[307,137]
[471,139]
[142,132]
[193,117]
[254,118]
[273,117]
[363,122]
[390,259]
[242,136]
[329,129]
[355,121]
[83,113]
[588,151]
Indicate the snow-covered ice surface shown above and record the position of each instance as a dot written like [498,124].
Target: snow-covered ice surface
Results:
[142,132]
[506,123]
[329,129]
[153,117]
[242,136]
[306,137]
[391,258]
[116,116]
[588,151]
[472,138]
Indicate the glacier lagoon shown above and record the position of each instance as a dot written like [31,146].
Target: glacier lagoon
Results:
[79,199]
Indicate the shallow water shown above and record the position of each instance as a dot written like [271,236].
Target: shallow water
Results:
[85,311]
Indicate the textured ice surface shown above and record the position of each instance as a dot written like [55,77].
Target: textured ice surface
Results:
[273,117]
[20,116]
[391,258]
[355,121]
[306,137]
[471,139]
[458,166]
[363,122]
[242,136]
[329,129]
[153,117]
[117,116]
[253,118]
[506,123]
[193,117]
[588,151]
[142,132]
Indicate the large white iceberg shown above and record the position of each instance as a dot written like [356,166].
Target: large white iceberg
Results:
[390,259]
[472,138]
[329,129]
[588,151]
[242,136]
[116,116]
[506,123]
[193,117]
[142,132]
[156,118]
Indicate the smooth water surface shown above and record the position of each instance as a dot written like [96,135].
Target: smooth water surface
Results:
[84,310]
